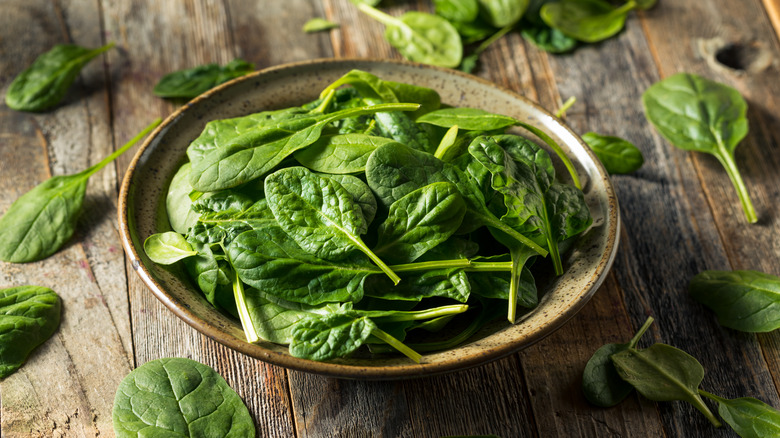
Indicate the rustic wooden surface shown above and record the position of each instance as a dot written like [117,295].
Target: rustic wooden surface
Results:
[680,216]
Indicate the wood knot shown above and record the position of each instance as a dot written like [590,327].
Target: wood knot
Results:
[735,57]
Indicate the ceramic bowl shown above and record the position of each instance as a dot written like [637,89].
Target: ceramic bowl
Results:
[142,196]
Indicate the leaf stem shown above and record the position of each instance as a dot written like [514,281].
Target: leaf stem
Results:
[243,311]
[648,322]
[726,158]
[561,113]
[558,151]
[323,106]
[380,263]
[489,267]
[387,20]
[436,264]
[398,345]
[446,142]
[417,315]
[494,222]
[92,170]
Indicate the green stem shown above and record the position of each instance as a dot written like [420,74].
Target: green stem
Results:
[492,39]
[558,151]
[92,170]
[727,160]
[632,343]
[417,315]
[494,222]
[323,106]
[387,20]
[561,113]
[379,262]
[514,283]
[446,142]
[625,9]
[489,267]
[427,266]
[398,345]
[243,311]
[555,255]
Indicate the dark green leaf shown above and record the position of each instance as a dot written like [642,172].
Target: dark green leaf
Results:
[461,11]
[44,84]
[29,315]
[179,397]
[548,39]
[38,223]
[340,154]
[698,114]
[617,155]
[586,20]
[331,336]
[748,301]
[319,25]
[501,13]
[192,82]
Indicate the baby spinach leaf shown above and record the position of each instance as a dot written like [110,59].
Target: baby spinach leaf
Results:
[419,221]
[318,25]
[38,223]
[331,336]
[421,37]
[394,171]
[179,397]
[340,154]
[450,283]
[252,154]
[178,204]
[361,193]
[319,214]
[586,20]
[548,39]
[167,248]
[663,373]
[462,11]
[601,382]
[749,417]
[617,155]
[748,301]
[29,315]
[698,114]
[501,13]
[269,260]
[192,82]
[212,274]
[45,82]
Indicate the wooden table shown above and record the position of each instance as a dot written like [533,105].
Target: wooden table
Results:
[680,216]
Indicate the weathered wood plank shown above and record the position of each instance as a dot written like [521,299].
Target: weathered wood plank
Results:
[67,386]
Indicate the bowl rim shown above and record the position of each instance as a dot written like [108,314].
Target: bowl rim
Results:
[341,370]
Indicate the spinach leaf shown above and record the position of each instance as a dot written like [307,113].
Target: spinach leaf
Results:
[421,37]
[38,223]
[340,154]
[663,373]
[394,171]
[461,11]
[192,82]
[45,82]
[319,214]
[450,283]
[361,193]
[29,315]
[179,397]
[617,155]
[252,154]
[167,248]
[749,417]
[601,383]
[178,204]
[586,20]
[548,39]
[748,301]
[698,114]
[212,273]
[318,25]
[419,221]
[469,62]
[480,120]
[501,13]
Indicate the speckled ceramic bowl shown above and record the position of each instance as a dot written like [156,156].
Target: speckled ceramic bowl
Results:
[141,213]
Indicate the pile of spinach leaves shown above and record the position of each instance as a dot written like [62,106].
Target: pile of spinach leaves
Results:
[367,217]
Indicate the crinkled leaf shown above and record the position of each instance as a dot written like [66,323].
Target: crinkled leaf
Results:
[331,336]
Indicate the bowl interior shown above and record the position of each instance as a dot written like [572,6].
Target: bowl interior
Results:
[142,213]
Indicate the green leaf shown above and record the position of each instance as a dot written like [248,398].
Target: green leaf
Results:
[748,301]
[178,204]
[450,283]
[749,417]
[461,11]
[29,315]
[698,114]
[663,373]
[616,154]
[45,82]
[192,82]
[601,383]
[501,13]
[340,154]
[548,39]
[167,248]
[361,193]
[179,397]
[318,25]
[331,336]
[586,20]
[319,214]
[38,223]
[421,37]
[419,221]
